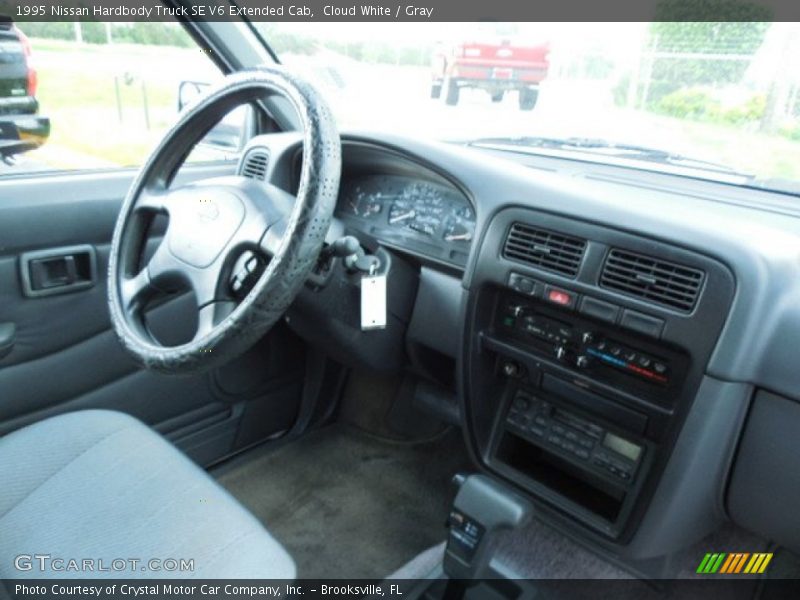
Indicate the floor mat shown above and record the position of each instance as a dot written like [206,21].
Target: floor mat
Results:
[347,504]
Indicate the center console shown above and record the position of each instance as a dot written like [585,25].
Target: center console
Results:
[584,348]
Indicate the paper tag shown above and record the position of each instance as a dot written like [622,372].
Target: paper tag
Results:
[373,302]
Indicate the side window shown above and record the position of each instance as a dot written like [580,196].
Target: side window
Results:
[100,95]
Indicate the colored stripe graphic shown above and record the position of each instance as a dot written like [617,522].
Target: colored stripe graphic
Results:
[740,562]
[764,564]
[734,563]
[754,564]
[718,563]
[727,564]
[703,564]
[711,563]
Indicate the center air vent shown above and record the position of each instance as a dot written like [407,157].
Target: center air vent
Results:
[544,249]
[653,279]
[255,164]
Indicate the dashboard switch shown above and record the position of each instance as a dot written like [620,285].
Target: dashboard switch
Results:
[641,323]
[525,285]
[560,297]
[602,311]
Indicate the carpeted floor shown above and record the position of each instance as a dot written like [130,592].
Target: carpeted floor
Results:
[348,504]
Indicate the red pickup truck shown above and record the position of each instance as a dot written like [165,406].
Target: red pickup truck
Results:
[496,68]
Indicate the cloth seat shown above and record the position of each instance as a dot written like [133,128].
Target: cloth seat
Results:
[100,486]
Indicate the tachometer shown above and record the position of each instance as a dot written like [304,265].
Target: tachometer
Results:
[364,204]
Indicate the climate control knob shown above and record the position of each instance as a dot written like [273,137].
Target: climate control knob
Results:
[561,353]
[587,337]
[583,361]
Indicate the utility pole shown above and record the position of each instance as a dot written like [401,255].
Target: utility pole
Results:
[779,88]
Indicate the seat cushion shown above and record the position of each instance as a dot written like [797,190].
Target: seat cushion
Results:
[102,486]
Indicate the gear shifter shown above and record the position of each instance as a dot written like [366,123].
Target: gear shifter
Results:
[483,507]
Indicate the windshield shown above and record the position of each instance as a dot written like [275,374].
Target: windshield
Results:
[716,100]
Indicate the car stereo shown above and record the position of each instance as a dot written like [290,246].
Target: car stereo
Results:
[580,440]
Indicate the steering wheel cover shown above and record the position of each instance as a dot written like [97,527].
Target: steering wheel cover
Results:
[304,230]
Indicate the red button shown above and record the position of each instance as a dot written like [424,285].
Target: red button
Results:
[560,297]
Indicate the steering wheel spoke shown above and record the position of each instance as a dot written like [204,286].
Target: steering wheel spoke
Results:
[271,239]
[134,291]
[153,199]
[209,316]
[160,274]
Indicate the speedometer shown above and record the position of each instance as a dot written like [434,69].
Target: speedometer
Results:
[419,207]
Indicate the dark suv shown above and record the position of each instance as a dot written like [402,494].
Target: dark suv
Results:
[20,129]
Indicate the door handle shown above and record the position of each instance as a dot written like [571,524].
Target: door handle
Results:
[8,333]
[58,270]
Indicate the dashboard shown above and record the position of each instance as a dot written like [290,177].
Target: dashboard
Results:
[604,327]
[410,213]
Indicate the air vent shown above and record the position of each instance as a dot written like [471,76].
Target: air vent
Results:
[255,164]
[653,279]
[544,249]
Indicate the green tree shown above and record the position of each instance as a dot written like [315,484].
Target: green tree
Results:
[672,35]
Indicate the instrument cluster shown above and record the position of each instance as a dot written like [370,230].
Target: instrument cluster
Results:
[417,215]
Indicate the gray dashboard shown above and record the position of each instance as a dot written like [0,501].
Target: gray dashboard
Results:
[760,245]
[747,239]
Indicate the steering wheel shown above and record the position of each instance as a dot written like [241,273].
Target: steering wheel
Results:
[220,225]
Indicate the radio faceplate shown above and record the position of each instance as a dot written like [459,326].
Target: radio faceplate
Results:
[589,465]
[583,441]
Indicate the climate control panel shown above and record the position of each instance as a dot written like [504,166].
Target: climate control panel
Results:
[600,351]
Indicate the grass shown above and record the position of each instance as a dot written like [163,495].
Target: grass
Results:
[84,118]
[95,97]
[751,152]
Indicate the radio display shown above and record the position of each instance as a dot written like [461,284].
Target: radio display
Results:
[622,446]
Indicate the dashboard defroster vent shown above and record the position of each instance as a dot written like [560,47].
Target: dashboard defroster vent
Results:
[659,281]
[255,164]
[544,249]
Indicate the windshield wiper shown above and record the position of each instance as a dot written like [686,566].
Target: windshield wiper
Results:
[610,149]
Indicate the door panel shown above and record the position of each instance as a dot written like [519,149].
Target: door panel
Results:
[66,357]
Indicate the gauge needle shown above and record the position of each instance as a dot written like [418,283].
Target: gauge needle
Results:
[402,217]
[455,238]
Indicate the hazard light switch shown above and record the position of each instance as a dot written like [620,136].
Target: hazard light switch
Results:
[560,297]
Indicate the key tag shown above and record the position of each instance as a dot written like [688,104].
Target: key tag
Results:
[373,300]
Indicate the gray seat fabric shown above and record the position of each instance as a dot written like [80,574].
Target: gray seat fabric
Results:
[100,485]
